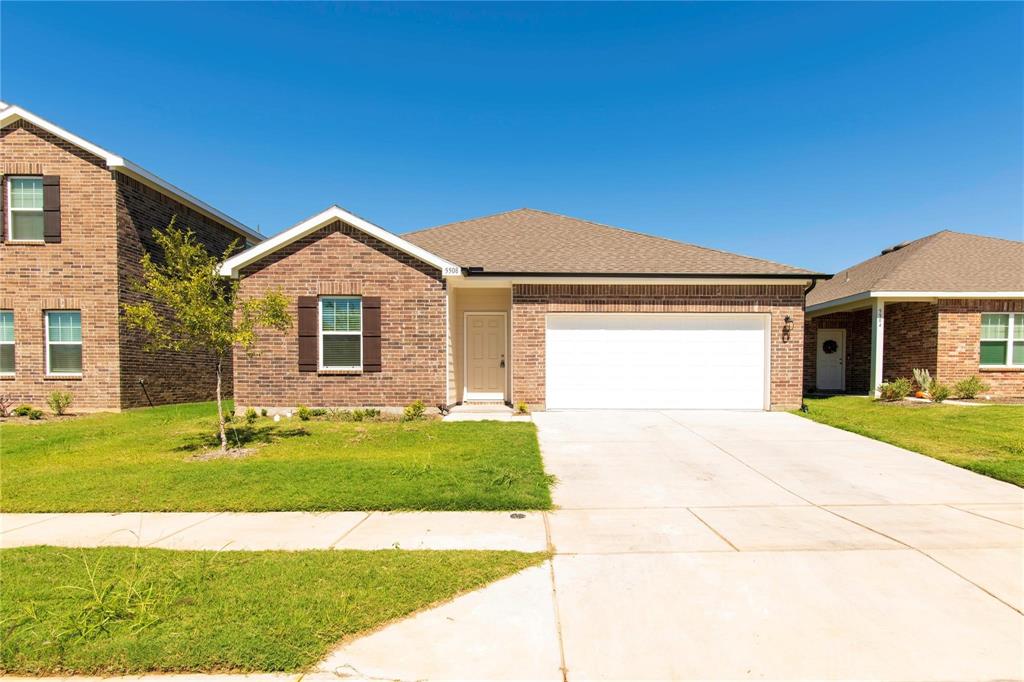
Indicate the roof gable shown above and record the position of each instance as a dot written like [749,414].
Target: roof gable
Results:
[233,265]
[11,113]
[946,261]
[529,241]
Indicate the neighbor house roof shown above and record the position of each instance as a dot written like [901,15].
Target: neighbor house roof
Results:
[531,242]
[942,263]
[10,113]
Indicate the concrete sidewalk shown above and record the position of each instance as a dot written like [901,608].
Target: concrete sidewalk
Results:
[523,531]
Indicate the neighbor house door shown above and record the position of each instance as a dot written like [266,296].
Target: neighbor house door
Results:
[485,356]
[831,365]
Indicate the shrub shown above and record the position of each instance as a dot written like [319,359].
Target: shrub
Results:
[970,387]
[938,392]
[371,412]
[5,405]
[923,378]
[895,390]
[305,414]
[414,411]
[251,416]
[522,408]
[60,401]
[263,412]
[318,412]
[35,414]
[23,410]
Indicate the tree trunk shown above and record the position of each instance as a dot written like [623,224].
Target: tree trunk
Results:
[220,411]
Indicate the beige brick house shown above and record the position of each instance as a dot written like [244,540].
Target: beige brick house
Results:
[951,303]
[520,306]
[76,220]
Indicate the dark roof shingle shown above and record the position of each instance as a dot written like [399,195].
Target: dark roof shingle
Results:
[531,241]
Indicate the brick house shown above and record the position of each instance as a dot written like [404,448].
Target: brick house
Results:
[76,220]
[523,306]
[951,303]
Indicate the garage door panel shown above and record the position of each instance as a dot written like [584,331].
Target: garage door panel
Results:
[655,361]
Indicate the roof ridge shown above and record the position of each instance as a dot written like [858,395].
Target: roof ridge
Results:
[666,239]
[466,220]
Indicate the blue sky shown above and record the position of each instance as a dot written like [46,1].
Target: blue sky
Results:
[812,134]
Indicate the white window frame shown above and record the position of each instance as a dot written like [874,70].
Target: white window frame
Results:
[320,334]
[11,210]
[12,344]
[46,333]
[1009,340]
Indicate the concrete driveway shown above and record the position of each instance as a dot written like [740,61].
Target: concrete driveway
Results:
[717,545]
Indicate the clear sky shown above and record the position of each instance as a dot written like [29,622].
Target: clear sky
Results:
[812,134]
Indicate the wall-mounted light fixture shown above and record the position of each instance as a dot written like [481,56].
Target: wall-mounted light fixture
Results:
[787,327]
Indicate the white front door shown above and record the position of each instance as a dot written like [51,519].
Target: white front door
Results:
[485,356]
[831,364]
[656,361]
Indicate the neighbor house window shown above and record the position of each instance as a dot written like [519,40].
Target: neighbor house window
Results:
[341,333]
[6,342]
[1002,339]
[63,342]
[25,209]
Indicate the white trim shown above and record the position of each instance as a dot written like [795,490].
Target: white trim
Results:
[10,211]
[320,335]
[766,319]
[466,394]
[817,360]
[48,343]
[231,266]
[877,346]
[12,344]
[120,164]
[1010,340]
[500,282]
[904,295]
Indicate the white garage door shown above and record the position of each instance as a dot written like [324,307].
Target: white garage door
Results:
[656,361]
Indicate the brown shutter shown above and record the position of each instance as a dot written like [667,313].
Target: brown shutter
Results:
[309,353]
[51,209]
[3,208]
[371,334]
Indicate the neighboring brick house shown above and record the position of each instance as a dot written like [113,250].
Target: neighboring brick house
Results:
[523,306]
[76,221]
[951,303]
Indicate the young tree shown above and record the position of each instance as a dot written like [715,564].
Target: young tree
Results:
[189,306]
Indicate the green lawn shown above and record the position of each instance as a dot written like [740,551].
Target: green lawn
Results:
[123,610]
[987,439]
[142,460]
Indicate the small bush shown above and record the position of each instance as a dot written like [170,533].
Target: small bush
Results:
[895,390]
[522,408]
[371,412]
[35,414]
[251,416]
[414,411]
[938,392]
[60,401]
[5,405]
[970,387]
[263,412]
[318,412]
[23,410]
[304,413]
[923,379]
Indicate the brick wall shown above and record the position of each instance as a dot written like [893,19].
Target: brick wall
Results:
[80,273]
[910,339]
[857,324]
[339,259]
[959,344]
[532,302]
[170,377]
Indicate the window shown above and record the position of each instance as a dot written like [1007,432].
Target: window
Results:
[1002,339]
[341,333]
[6,342]
[64,342]
[25,209]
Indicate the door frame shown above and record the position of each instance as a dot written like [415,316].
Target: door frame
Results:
[842,357]
[766,319]
[466,393]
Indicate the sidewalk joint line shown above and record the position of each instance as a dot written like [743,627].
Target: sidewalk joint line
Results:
[347,532]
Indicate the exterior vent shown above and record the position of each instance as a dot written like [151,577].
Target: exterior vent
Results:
[896,247]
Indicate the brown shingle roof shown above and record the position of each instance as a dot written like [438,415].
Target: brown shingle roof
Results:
[944,261]
[531,241]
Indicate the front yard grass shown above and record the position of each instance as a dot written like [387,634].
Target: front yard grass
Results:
[144,460]
[988,439]
[123,610]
